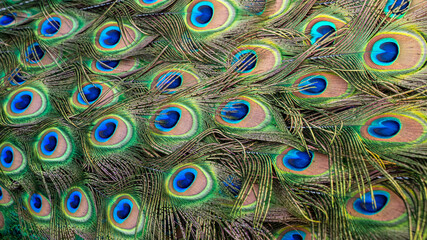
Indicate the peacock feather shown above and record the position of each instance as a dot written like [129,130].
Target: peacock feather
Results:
[213,119]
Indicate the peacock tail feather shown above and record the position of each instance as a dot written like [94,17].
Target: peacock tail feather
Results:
[213,119]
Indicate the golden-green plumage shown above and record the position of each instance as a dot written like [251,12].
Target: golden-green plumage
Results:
[213,119]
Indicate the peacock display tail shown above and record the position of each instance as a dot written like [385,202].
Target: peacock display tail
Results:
[213,119]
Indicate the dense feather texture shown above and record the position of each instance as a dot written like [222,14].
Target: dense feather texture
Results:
[213,119]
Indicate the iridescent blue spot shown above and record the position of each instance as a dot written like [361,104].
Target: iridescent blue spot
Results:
[91,92]
[149,1]
[36,202]
[367,207]
[297,160]
[110,37]
[7,19]
[396,7]
[49,143]
[246,60]
[6,157]
[73,201]
[385,51]
[169,80]
[386,127]
[16,79]
[34,53]
[294,235]
[322,29]
[106,129]
[108,65]
[184,179]
[21,102]
[235,111]
[1,193]
[122,210]
[232,185]
[50,26]
[313,85]
[167,119]
[202,14]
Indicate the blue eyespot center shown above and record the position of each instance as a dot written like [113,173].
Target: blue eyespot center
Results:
[367,207]
[167,119]
[7,19]
[91,92]
[21,102]
[235,111]
[202,14]
[384,127]
[313,85]
[246,60]
[184,179]
[108,65]
[122,210]
[73,201]
[294,235]
[297,160]
[106,129]
[397,7]
[34,53]
[110,37]
[16,79]
[49,143]
[7,157]
[50,26]
[385,51]
[322,29]
[149,1]
[233,185]
[36,202]
[1,193]
[169,80]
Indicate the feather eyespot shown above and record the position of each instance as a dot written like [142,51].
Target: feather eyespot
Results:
[13,18]
[91,93]
[170,81]
[12,159]
[16,78]
[77,205]
[388,205]
[54,145]
[124,214]
[396,8]
[36,56]
[174,120]
[56,26]
[294,233]
[26,103]
[113,67]
[5,198]
[208,15]
[110,37]
[299,162]
[395,52]
[111,132]
[321,27]
[151,3]
[7,19]
[189,182]
[255,59]
[321,85]
[393,128]
[242,112]
[39,206]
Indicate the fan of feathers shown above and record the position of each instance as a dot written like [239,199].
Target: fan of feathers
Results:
[213,119]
